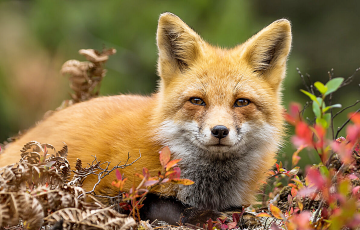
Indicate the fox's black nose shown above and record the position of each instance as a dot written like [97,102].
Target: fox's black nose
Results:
[219,131]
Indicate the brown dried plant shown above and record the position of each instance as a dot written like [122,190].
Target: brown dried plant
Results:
[85,77]
[36,192]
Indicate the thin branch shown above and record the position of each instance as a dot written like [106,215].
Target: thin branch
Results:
[331,75]
[346,108]
[105,171]
[345,123]
[349,79]
[303,79]
[311,84]
[307,104]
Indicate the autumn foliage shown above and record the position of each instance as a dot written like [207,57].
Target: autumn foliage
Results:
[327,196]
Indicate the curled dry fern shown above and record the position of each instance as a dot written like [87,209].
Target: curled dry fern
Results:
[96,219]
[16,206]
[37,188]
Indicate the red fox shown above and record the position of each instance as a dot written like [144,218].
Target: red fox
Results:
[219,110]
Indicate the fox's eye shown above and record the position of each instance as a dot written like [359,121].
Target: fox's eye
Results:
[197,101]
[241,102]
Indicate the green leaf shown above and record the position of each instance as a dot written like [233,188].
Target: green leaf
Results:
[332,106]
[312,96]
[327,118]
[321,87]
[316,109]
[324,171]
[333,85]
[320,101]
[322,122]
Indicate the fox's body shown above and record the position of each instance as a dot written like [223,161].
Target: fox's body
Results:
[219,110]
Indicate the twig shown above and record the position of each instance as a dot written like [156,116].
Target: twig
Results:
[105,171]
[302,78]
[311,84]
[349,79]
[331,75]
[346,108]
[305,107]
[345,123]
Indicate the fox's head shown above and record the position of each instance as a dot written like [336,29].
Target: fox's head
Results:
[222,101]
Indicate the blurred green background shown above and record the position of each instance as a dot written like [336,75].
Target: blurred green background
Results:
[37,37]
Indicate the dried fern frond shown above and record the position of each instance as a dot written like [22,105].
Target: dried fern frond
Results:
[15,206]
[85,77]
[38,187]
[97,219]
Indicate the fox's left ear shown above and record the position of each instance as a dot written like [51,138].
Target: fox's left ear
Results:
[267,51]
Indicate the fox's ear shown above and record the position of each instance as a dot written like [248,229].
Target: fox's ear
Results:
[267,51]
[178,45]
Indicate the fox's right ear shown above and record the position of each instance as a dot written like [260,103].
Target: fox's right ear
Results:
[178,46]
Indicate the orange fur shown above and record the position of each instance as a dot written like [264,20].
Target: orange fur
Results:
[112,127]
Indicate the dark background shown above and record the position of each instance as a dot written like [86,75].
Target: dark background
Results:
[37,37]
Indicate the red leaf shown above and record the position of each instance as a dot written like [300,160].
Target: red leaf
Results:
[165,180]
[118,175]
[295,109]
[222,221]
[209,224]
[277,167]
[231,225]
[295,156]
[174,173]
[294,113]
[343,150]
[315,178]
[274,226]
[355,190]
[306,192]
[352,177]
[302,220]
[139,175]
[236,216]
[353,133]
[146,173]
[289,119]
[177,174]
[289,199]
[150,183]
[171,164]
[303,135]
[320,131]
[165,156]
[116,184]
[355,117]
[224,226]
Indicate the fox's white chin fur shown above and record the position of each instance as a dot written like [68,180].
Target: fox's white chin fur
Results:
[237,162]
